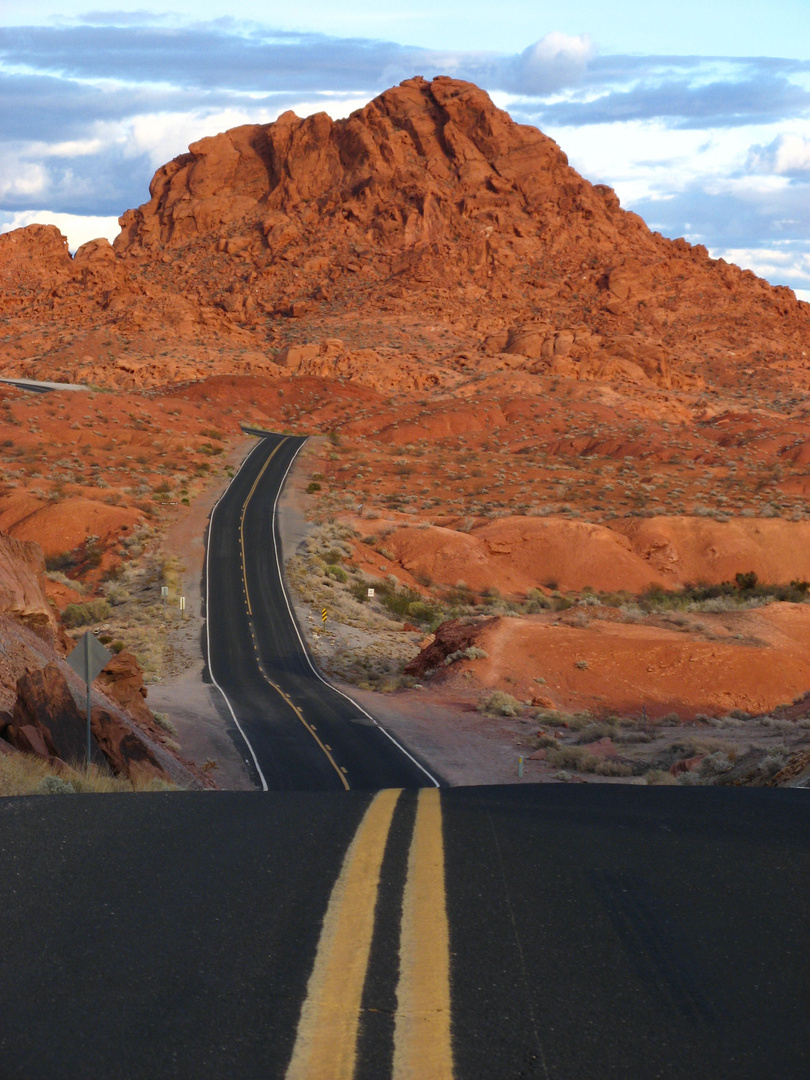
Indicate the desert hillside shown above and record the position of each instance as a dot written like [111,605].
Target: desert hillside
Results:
[535,407]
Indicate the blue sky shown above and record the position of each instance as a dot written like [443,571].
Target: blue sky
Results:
[698,115]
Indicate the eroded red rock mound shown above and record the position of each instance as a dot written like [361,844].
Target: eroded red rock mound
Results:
[428,207]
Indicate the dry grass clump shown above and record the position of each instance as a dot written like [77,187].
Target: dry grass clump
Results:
[25,774]
[660,777]
[499,703]
[576,758]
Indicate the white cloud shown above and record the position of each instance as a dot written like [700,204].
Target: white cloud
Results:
[77,228]
[787,155]
[555,61]
[20,179]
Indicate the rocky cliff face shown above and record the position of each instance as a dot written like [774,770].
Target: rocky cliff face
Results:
[428,224]
[22,583]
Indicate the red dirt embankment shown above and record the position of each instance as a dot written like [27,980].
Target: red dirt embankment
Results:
[515,554]
[752,660]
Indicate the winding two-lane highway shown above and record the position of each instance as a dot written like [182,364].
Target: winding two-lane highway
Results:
[300,733]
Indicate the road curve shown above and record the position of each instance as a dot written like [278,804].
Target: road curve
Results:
[300,733]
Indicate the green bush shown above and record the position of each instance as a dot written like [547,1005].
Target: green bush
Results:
[359,590]
[84,614]
[65,560]
[55,785]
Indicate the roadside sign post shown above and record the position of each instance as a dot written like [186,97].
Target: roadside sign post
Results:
[164,592]
[183,605]
[87,659]
[323,616]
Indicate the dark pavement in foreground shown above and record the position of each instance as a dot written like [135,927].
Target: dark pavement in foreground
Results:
[595,932]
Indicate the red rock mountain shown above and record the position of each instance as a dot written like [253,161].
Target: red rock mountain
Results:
[425,235]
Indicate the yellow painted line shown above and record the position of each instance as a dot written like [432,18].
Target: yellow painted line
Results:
[310,728]
[242,520]
[296,710]
[326,1041]
[422,1047]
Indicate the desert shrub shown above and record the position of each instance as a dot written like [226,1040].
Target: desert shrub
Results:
[313,487]
[572,757]
[63,579]
[746,581]
[580,619]
[472,652]
[162,720]
[499,703]
[55,785]
[359,590]
[592,732]
[660,777]
[537,601]
[633,737]
[715,763]
[581,664]
[115,593]
[64,560]
[408,604]
[611,767]
[84,614]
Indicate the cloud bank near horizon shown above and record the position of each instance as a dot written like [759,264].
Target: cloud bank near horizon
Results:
[713,148]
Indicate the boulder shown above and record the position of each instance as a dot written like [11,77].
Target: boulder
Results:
[46,718]
[127,754]
[122,680]
[450,637]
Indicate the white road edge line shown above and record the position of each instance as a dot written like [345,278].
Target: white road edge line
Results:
[294,621]
[208,618]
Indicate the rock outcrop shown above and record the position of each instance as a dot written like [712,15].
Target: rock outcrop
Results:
[22,583]
[452,636]
[46,706]
[122,680]
[428,205]
[47,722]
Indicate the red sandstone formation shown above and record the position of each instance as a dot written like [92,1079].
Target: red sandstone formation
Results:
[531,389]
[429,206]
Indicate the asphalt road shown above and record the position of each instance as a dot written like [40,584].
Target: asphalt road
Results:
[39,387]
[589,932]
[300,733]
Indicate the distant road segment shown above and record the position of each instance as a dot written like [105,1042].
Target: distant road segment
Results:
[300,733]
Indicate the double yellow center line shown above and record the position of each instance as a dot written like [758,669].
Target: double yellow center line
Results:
[326,1041]
[270,457]
[326,750]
